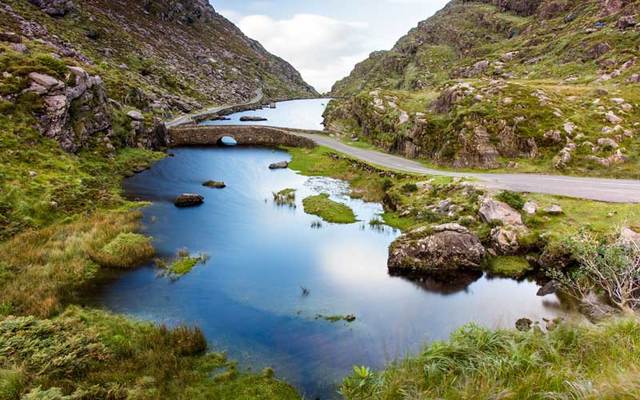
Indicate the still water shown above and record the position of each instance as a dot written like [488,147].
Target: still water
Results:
[297,114]
[248,297]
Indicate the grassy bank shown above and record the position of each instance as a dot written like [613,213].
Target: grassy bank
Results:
[570,362]
[88,354]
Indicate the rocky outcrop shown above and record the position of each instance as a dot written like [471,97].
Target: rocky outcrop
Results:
[439,250]
[55,8]
[73,114]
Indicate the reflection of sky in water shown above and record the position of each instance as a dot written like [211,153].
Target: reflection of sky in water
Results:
[247,298]
[298,114]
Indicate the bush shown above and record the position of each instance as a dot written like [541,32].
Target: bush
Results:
[513,199]
[410,188]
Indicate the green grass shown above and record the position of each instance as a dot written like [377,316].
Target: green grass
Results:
[127,250]
[572,361]
[185,263]
[509,266]
[103,356]
[329,210]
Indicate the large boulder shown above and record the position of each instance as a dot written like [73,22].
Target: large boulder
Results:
[440,250]
[493,211]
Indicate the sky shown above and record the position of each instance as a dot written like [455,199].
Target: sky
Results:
[324,39]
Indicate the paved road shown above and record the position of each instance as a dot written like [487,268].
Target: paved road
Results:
[609,190]
[186,119]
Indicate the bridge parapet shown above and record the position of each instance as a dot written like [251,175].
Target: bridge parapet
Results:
[244,135]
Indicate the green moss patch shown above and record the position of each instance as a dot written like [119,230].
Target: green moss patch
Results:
[329,210]
[509,266]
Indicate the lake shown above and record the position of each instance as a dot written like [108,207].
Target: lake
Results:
[248,298]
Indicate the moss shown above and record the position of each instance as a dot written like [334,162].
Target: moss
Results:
[126,250]
[509,266]
[329,210]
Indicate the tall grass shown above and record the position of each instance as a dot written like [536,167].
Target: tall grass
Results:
[43,268]
[570,362]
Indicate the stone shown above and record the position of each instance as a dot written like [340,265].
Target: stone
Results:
[10,37]
[135,115]
[252,119]
[46,81]
[530,207]
[554,210]
[629,237]
[189,200]
[626,22]
[524,324]
[608,144]
[279,165]
[565,156]
[493,211]
[505,240]
[613,118]
[553,136]
[595,309]
[55,8]
[447,248]
[598,50]
[214,184]
[635,78]
[569,128]
[20,48]
[550,287]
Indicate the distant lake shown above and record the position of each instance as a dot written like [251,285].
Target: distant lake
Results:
[248,297]
[297,114]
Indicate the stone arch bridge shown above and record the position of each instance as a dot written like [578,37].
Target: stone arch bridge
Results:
[244,135]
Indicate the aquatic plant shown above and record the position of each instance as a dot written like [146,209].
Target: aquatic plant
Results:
[285,197]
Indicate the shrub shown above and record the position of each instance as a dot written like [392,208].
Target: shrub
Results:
[513,199]
[410,188]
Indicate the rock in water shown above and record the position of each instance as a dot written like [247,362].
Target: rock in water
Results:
[439,250]
[524,324]
[279,165]
[189,200]
[252,119]
[549,288]
[214,184]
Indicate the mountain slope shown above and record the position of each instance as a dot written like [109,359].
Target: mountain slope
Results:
[535,85]
[164,55]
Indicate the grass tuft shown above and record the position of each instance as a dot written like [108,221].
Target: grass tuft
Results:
[329,210]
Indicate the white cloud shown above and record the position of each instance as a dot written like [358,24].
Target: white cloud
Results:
[321,48]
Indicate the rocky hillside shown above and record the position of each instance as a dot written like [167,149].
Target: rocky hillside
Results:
[82,80]
[543,85]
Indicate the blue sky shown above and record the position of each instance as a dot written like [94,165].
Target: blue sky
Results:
[324,39]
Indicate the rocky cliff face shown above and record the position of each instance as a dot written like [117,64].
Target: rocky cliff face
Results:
[108,71]
[537,85]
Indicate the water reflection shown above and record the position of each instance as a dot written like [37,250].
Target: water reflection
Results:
[248,298]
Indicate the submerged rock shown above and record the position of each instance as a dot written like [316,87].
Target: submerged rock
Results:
[549,288]
[189,200]
[279,165]
[441,249]
[524,324]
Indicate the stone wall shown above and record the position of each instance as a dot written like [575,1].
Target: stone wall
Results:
[243,135]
